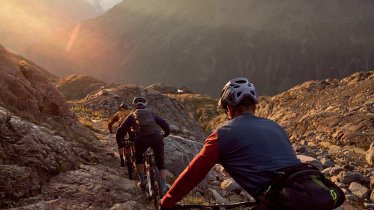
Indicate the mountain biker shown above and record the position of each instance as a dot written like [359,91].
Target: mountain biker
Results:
[254,151]
[147,128]
[120,116]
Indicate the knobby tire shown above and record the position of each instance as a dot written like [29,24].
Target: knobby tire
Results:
[129,162]
[154,181]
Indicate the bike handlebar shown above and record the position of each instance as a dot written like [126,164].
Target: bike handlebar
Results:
[215,206]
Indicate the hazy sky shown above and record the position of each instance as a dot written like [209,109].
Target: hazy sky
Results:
[106,4]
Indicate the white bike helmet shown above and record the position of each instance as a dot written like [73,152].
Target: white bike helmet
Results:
[235,90]
[139,101]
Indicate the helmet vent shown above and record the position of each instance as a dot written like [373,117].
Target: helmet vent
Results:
[241,81]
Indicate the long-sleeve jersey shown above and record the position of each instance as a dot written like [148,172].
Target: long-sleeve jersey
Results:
[250,148]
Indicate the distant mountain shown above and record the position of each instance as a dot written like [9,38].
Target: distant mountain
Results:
[25,22]
[202,44]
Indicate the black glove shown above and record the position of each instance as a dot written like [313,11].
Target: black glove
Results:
[174,207]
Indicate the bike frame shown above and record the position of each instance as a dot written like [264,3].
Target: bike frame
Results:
[129,153]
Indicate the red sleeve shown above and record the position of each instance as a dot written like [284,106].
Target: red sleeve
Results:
[194,172]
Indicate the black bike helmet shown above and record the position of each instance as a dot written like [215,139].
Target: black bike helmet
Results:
[139,101]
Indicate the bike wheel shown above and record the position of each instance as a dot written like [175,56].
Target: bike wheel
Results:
[155,185]
[129,163]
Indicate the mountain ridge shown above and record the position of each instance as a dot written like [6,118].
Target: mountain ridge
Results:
[278,45]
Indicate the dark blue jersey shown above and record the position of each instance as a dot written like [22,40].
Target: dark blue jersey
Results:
[250,148]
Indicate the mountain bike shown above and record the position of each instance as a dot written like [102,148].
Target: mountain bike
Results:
[129,151]
[250,204]
[153,178]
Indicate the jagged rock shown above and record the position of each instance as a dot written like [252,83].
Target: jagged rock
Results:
[372,196]
[359,190]
[369,205]
[352,198]
[348,177]
[129,205]
[18,182]
[332,171]
[25,88]
[31,154]
[174,128]
[300,148]
[327,162]
[336,170]
[230,185]
[91,186]
[217,197]
[370,155]
[372,183]
[78,86]
[310,160]
[179,152]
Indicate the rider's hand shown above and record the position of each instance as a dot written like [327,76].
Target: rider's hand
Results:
[175,207]
[163,208]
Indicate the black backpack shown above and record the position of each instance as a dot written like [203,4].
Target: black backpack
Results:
[145,122]
[304,187]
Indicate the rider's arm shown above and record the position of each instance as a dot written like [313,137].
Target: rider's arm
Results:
[114,119]
[194,172]
[125,128]
[163,124]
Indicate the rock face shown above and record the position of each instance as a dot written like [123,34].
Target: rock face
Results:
[78,86]
[25,89]
[202,45]
[40,136]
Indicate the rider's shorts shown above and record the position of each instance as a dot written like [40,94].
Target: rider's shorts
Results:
[154,141]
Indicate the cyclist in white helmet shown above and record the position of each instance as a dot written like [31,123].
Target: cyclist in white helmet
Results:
[258,155]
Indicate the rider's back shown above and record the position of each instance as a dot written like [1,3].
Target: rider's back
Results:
[252,148]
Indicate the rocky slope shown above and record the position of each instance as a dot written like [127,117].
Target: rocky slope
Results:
[331,125]
[40,136]
[337,111]
[201,45]
[105,102]
[78,86]
[49,160]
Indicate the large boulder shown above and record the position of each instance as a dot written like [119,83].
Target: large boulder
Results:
[179,152]
[359,190]
[88,187]
[31,154]
[310,160]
